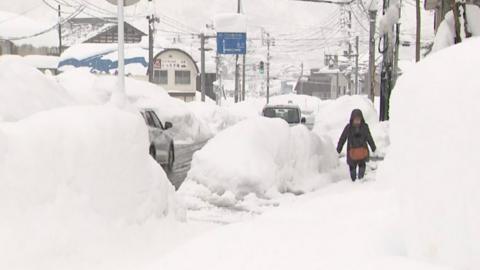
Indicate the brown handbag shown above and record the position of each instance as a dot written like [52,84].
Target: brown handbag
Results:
[358,154]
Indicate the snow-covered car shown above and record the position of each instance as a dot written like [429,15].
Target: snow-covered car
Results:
[162,146]
[290,113]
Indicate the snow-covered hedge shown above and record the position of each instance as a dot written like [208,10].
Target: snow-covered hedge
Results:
[263,156]
[433,159]
[72,181]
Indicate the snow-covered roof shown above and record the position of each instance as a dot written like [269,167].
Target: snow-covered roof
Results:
[22,30]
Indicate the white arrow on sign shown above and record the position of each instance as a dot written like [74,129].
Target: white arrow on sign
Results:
[125,2]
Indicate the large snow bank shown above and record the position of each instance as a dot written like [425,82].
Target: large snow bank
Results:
[433,159]
[88,88]
[263,156]
[24,90]
[73,182]
[445,36]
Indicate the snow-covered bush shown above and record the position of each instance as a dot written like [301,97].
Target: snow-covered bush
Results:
[24,90]
[263,156]
[88,88]
[72,181]
[433,159]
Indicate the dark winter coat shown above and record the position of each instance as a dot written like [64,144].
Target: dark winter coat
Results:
[356,136]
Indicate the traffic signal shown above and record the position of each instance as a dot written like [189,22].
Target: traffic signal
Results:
[261,67]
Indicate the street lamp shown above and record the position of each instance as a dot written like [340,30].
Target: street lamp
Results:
[118,96]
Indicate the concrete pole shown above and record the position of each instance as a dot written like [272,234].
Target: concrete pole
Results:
[151,21]
[371,62]
[60,46]
[357,41]
[202,66]
[268,68]
[419,30]
[118,96]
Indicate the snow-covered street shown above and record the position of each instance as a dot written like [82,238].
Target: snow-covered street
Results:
[313,135]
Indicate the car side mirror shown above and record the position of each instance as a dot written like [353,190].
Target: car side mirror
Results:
[303,120]
[168,125]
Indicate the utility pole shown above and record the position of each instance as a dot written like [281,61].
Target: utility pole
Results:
[357,41]
[419,29]
[456,16]
[60,46]
[151,40]
[202,66]
[244,59]
[371,62]
[268,68]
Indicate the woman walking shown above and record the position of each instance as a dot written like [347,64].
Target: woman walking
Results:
[357,135]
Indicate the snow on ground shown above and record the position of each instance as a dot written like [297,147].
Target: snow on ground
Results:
[78,190]
[88,88]
[25,90]
[344,226]
[433,161]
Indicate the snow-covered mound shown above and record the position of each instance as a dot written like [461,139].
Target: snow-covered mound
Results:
[72,181]
[445,36]
[433,160]
[88,88]
[333,115]
[24,90]
[263,156]
[215,117]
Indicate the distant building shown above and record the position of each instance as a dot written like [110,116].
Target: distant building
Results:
[97,30]
[324,84]
[176,71]
[6,47]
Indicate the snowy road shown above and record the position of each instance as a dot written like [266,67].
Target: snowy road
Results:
[183,160]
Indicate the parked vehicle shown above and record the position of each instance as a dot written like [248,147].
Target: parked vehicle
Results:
[290,113]
[162,147]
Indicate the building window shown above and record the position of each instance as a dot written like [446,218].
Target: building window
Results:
[160,76]
[182,77]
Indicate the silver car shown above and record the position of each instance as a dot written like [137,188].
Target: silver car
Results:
[162,147]
[290,113]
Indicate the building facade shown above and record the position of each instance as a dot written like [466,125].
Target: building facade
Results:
[326,84]
[176,71]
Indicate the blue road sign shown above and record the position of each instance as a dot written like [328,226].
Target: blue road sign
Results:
[232,43]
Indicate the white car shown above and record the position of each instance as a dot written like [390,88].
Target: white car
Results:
[162,147]
[290,113]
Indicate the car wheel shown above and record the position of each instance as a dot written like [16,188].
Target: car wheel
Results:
[153,152]
[171,158]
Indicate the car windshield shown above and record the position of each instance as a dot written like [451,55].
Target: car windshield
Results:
[291,115]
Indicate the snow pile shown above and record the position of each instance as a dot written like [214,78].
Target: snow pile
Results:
[334,115]
[24,90]
[215,117]
[73,182]
[263,156]
[445,36]
[433,160]
[88,88]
